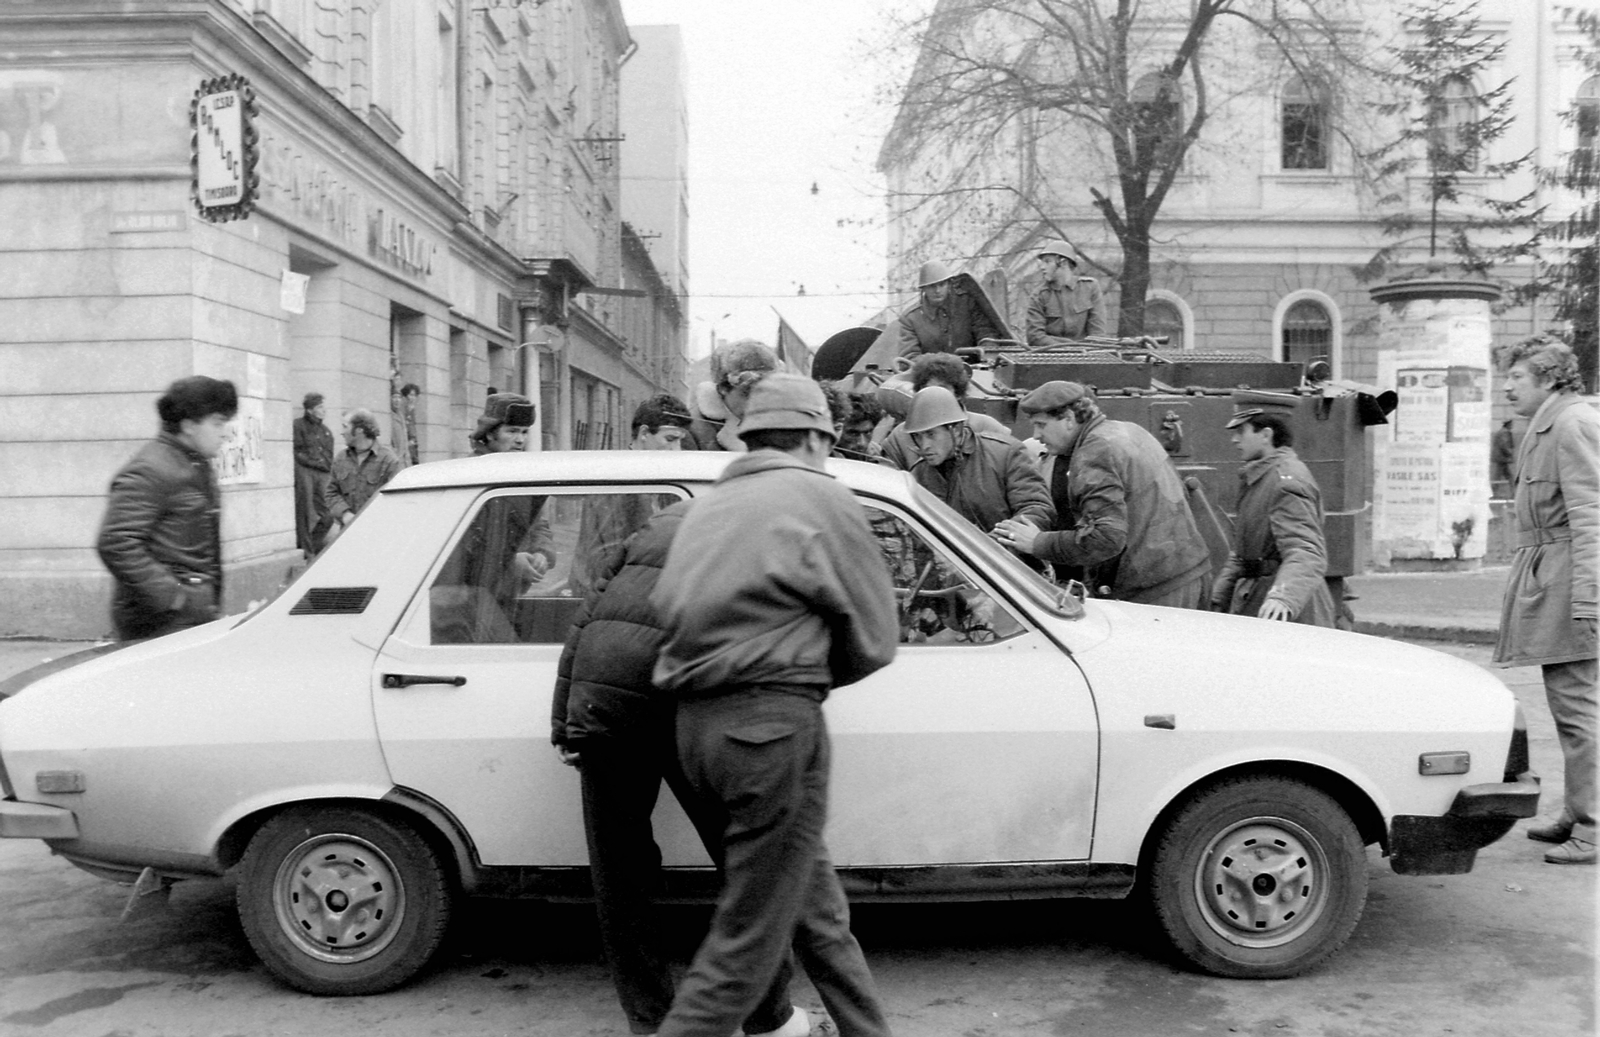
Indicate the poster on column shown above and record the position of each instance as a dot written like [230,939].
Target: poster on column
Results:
[242,459]
[1407,503]
[1463,500]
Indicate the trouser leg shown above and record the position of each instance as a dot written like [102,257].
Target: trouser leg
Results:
[304,510]
[1570,690]
[620,784]
[710,820]
[762,755]
[827,950]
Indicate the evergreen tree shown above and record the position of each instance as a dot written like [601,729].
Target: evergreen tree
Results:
[1569,270]
[1447,127]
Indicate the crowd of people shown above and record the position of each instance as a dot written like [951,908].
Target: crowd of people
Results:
[711,631]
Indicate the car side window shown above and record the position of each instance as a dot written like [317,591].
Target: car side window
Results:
[526,561]
[938,603]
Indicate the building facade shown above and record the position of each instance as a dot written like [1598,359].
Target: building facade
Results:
[1258,245]
[438,188]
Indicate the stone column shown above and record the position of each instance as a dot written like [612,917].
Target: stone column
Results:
[1431,464]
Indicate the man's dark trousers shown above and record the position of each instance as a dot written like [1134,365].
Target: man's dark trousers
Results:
[311,518]
[760,755]
[621,778]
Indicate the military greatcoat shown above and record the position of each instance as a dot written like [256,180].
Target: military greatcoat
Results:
[1279,551]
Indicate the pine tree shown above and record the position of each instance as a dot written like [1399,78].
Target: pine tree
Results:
[1447,127]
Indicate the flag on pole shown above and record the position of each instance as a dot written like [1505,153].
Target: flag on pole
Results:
[792,349]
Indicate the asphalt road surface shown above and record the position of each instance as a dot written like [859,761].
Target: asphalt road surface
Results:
[1507,951]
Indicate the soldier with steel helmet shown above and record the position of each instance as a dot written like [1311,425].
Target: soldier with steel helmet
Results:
[1279,563]
[1068,306]
[948,316]
[985,476]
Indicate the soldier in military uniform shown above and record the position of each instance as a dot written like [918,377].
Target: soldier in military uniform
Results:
[949,316]
[1066,307]
[1279,563]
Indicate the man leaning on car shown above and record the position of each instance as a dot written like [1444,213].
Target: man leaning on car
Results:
[161,535]
[1548,619]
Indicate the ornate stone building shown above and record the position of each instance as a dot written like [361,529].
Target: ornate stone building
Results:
[439,202]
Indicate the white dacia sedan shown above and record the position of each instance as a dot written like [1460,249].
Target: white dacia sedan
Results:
[374,744]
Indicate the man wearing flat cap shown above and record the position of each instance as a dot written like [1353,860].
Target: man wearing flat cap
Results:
[947,317]
[774,592]
[1279,562]
[313,461]
[1067,306]
[1122,515]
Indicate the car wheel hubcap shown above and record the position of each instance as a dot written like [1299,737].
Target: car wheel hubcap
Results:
[339,898]
[1260,882]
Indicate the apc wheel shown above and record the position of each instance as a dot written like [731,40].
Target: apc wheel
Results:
[1259,878]
[338,901]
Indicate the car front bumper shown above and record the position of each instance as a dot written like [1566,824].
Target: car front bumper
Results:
[1448,844]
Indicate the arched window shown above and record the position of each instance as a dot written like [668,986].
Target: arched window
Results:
[1588,105]
[1162,317]
[1158,120]
[1307,332]
[1458,110]
[1304,125]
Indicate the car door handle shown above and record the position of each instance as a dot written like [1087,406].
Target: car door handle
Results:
[406,680]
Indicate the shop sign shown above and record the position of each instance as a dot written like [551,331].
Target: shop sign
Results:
[306,188]
[224,148]
[398,242]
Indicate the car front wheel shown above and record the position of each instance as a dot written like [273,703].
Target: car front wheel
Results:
[339,901]
[1259,878]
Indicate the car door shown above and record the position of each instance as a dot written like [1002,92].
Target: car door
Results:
[462,688]
[979,743]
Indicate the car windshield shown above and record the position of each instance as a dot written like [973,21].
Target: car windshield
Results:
[995,559]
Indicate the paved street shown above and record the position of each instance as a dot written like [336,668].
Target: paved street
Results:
[1506,951]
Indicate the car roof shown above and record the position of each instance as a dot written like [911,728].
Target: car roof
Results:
[604,466]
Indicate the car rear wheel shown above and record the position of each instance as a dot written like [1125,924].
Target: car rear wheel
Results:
[1259,878]
[339,901]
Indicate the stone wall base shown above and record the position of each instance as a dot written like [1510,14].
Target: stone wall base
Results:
[76,606]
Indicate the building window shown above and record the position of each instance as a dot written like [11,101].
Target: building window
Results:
[1162,318]
[1158,121]
[1307,332]
[1304,126]
[1457,110]
[1588,112]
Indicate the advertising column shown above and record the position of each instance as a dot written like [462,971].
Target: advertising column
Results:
[1431,462]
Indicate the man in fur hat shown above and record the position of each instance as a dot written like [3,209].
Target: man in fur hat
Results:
[161,535]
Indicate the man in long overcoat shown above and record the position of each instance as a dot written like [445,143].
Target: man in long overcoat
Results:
[1122,515]
[1548,619]
[1279,563]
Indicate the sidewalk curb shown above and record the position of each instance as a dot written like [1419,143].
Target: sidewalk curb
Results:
[1423,632]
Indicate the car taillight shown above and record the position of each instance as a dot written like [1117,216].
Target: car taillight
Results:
[1517,758]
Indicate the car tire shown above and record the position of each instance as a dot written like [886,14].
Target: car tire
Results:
[1259,878]
[339,901]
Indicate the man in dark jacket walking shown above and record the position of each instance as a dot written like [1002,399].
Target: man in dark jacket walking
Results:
[313,461]
[1123,518]
[161,535]
[609,721]
[774,592]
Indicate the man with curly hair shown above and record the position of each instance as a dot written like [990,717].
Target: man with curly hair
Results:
[1548,617]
